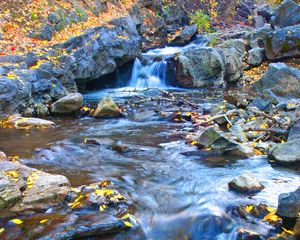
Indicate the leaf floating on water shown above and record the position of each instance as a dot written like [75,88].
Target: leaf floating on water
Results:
[44,221]
[194,143]
[17,221]
[2,230]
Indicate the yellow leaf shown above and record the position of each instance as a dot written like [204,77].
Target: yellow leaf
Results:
[13,174]
[75,205]
[194,142]
[270,209]
[128,224]
[288,231]
[102,207]
[272,217]
[17,221]
[249,208]
[2,230]
[44,221]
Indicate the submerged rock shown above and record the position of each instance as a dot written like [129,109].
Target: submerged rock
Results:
[246,183]
[289,204]
[280,82]
[27,190]
[286,152]
[68,104]
[107,108]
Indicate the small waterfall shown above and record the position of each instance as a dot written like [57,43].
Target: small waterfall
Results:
[150,69]
[152,75]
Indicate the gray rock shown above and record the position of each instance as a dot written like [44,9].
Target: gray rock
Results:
[41,110]
[287,14]
[200,67]
[255,56]
[2,156]
[186,35]
[286,152]
[68,104]
[107,108]
[283,42]
[215,140]
[13,94]
[266,11]
[289,204]
[221,108]
[295,130]
[244,234]
[261,103]
[42,190]
[21,122]
[246,183]
[233,52]
[259,21]
[279,83]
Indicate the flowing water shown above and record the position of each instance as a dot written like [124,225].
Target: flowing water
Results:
[177,191]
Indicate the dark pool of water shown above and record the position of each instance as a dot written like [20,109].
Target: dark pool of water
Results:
[177,191]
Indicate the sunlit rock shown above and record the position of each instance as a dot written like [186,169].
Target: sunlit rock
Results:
[246,183]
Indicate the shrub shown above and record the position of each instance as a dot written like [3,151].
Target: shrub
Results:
[202,21]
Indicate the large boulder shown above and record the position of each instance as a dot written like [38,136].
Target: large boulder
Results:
[286,152]
[233,52]
[26,190]
[284,42]
[279,83]
[13,94]
[295,130]
[200,67]
[246,183]
[68,104]
[107,108]
[289,204]
[287,14]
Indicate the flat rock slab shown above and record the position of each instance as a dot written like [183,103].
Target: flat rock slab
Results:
[286,152]
[16,121]
[27,190]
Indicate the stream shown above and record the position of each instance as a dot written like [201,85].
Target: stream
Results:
[177,191]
